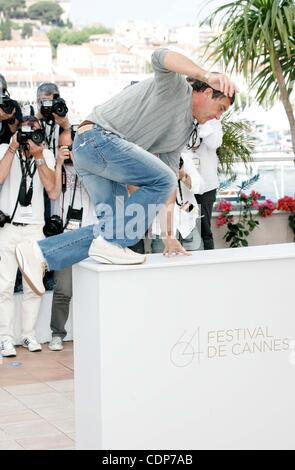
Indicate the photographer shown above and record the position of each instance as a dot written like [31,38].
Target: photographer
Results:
[73,206]
[26,168]
[10,113]
[53,114]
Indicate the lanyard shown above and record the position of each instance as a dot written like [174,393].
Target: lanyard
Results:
[49,139]
[28,168]
[193,137]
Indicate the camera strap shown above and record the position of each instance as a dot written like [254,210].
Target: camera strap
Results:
[72,203]
[193,138]
[16,206]
[49,139]
[28,168]
[181,203]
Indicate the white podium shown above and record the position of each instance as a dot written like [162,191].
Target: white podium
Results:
[188,352]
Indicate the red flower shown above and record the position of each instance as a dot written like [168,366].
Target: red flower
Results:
[287,204]
[266,208]
[224,206]
[221,221]
[254,203]
[255,196]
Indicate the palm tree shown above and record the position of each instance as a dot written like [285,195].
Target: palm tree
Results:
[237,144]
[257,38]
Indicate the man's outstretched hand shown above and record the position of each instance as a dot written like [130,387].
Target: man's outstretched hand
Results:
[173,247]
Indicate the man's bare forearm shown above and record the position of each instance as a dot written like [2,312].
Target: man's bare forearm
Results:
[178,63]
[5,163]
[167,218]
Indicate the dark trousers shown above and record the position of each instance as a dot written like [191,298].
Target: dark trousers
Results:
[206,201]
[61,302]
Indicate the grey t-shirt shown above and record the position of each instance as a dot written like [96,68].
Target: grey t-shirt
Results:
[155,114]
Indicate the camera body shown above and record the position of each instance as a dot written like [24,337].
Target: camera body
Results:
[4,219]
[26,133]
[6,104]
[69,161]
[74,129]
[53,226]
[57,106]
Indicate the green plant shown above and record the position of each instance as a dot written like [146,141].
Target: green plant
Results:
[257,38]
[238,231]
[236,146]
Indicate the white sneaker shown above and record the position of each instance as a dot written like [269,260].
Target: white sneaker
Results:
[56,344]
[109,253]
[31,267]
[32,344]
[7,348]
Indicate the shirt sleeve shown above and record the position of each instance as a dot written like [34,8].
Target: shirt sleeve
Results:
[172,160]
[165,79]
[49,159]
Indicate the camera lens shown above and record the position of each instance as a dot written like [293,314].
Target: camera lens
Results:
[60,108]
[38,136]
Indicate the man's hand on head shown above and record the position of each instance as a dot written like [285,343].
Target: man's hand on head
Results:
[222,83]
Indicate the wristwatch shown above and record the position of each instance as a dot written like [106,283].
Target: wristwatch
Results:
[40,161]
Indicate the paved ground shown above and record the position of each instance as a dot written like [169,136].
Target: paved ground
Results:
[37,400]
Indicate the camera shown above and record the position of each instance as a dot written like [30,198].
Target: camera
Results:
[4,219]
[74,129]
[53,226]
[57,106]
[26,133]
[7,104]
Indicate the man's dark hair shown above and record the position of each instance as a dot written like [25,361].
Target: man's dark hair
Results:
[199,86]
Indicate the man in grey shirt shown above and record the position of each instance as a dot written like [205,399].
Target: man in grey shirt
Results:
[116,147]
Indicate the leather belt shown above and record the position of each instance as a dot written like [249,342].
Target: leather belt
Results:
[17,224]
[85,126]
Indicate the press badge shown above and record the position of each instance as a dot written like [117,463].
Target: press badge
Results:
[74,219]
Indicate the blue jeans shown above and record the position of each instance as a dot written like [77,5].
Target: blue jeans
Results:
[106,164]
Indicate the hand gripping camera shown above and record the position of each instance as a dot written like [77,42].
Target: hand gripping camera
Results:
[6,104]
[26,133]
[57,106]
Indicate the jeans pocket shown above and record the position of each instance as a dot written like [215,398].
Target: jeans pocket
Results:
[83,144]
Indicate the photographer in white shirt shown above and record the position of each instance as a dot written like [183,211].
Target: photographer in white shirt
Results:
[26,169]
[206,159]
[73,205]
[186,211]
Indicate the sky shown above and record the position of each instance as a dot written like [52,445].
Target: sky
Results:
[168,12]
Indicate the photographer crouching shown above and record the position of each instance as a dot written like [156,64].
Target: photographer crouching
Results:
[26,169]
